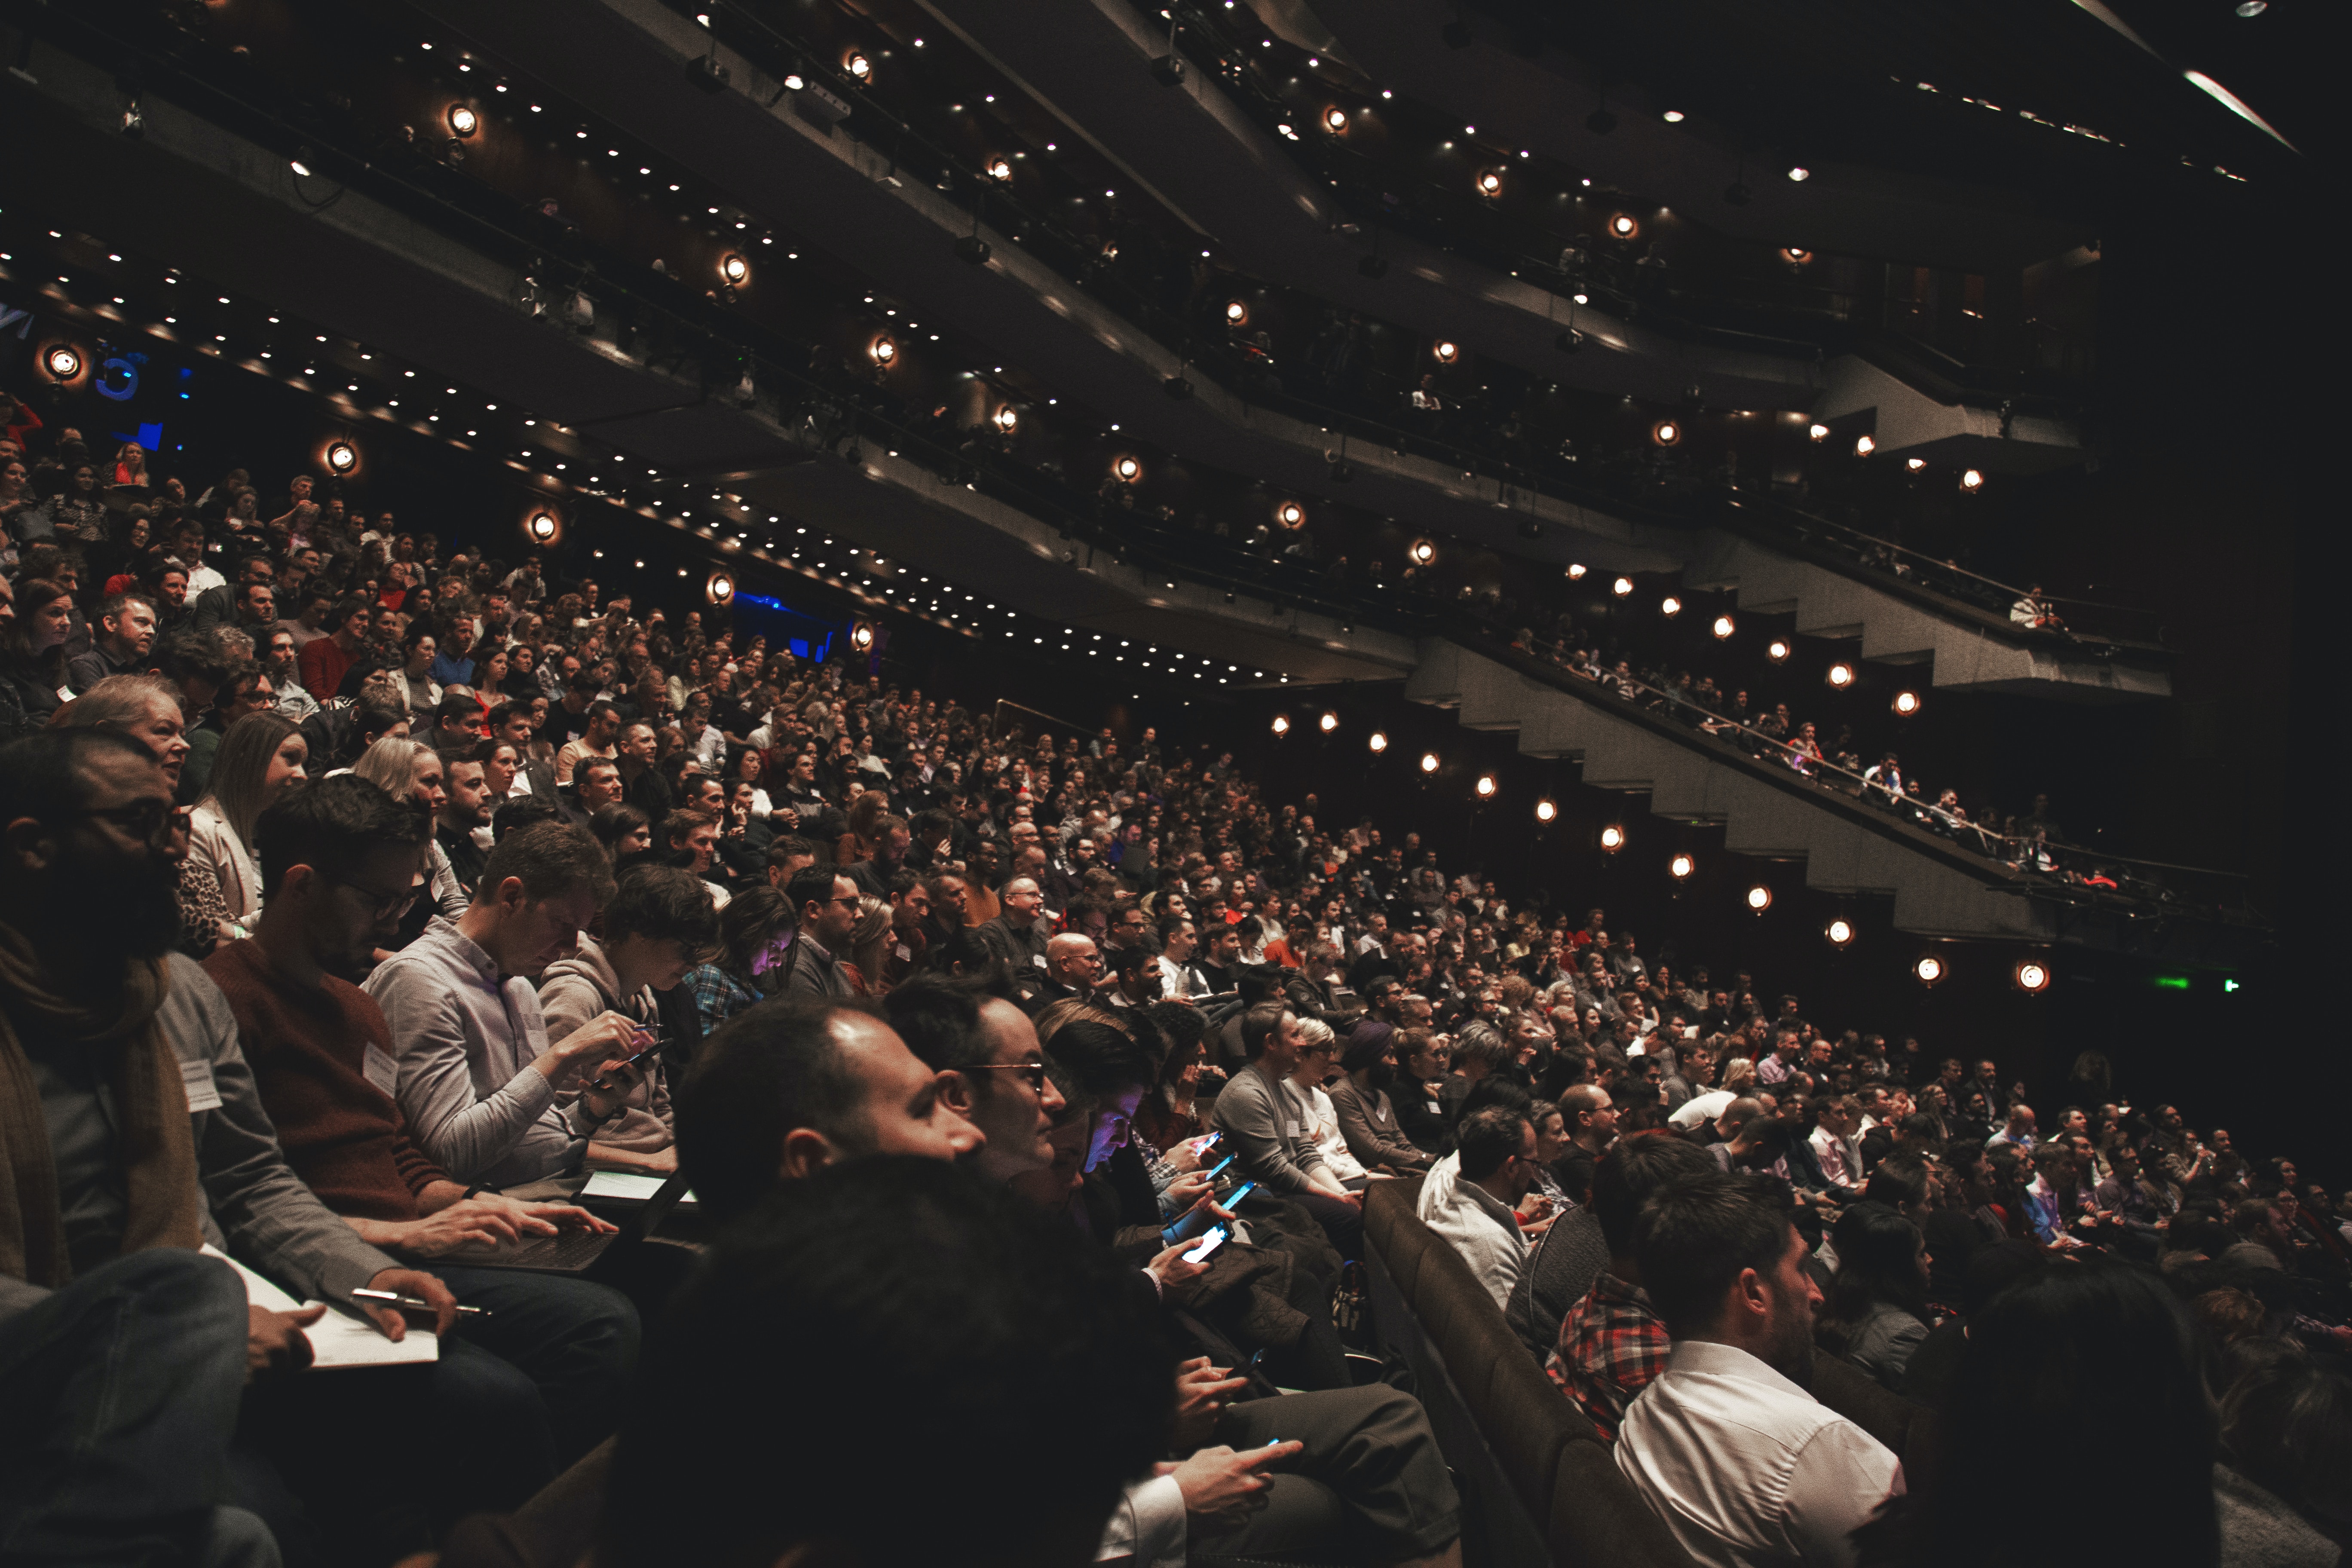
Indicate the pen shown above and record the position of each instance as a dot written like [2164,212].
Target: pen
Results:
[416,1303]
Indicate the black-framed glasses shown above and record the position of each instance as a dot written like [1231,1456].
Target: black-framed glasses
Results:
[1032,1071]
[383,906]
[147,819]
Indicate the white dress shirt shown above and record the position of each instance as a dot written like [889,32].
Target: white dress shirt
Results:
[1478,1225]
[1746,1467]
[1840,1158]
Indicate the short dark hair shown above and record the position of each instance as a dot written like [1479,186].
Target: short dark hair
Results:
[939,1020]
[1487,1137]
[792,847]
[1634,1168]
[331,826]
[811,885]
[868,1261]
[663,903]
[520,812]
[1260,1022]
[1694,1237]
[1102,1058]
[679,825]
[767,1070]
[550,859]
[41,776]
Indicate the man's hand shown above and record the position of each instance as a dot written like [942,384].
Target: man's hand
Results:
[469,1222]
[612,1088]
[273,1342]
[1202,1391]
[393,1321]
[606,1037]
[1184,1156]
[1187,1190]
[1534,1206]
[1173,1269]
[1219,1483]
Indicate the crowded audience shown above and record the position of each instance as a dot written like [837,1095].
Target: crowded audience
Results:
[372,903]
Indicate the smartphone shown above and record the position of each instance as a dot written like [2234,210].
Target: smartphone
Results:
[1238,1194]
[1202,1145]
[649,1047]
[1209,1243]
[1220,1167]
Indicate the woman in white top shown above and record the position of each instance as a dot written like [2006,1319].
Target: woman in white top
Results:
[1306,1084]
[261,758]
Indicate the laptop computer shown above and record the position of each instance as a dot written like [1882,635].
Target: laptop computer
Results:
[573,1251]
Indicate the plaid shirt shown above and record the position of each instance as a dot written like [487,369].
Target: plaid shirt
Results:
[718,995]
[1610,1348]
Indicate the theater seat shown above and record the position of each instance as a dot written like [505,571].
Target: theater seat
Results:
[553,1529]
[1906,1428]
[1537,1483]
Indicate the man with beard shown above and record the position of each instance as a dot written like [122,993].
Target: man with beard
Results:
[1726,1444]
[131,1134]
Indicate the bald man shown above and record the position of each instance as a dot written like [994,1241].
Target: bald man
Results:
[1074,967]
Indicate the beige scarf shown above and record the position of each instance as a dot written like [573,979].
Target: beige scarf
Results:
[157,1147]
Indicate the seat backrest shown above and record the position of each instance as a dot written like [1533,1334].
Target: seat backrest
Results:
[1558,1468]
[1901,1424]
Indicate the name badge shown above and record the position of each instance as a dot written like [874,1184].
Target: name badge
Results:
[203,1094]
[381,1069]
[1039,959]
[905,954]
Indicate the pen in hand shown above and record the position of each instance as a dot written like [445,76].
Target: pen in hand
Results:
[414,1303]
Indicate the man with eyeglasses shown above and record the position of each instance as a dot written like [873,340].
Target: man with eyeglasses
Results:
[123,1352]
[828,902]
[340,860]
[992,1071]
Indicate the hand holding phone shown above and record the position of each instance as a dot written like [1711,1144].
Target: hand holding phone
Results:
[1208,1243]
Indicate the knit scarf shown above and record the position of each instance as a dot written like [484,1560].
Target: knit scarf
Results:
[155,1147]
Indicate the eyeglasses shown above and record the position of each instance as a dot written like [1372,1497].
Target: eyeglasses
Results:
[1032,1071]
[148,820]
[385,906]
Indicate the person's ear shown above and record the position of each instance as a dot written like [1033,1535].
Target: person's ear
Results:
[29,846]
[806,1151]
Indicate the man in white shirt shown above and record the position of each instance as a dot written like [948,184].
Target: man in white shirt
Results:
[1725,1446]
[1837,1141]
[1495,1154]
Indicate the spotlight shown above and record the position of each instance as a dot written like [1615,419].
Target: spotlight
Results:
[541,526]
[1128,469]
[1429,761]
[1666,433]
[1379,741]
[1927,969]
[1236,312]
[62,361]
[301,162]
[1840,674]
[720,589]
[883,353]
[1290,514]
[1914,465]
[733,267]
[1737,194]
[1818,432]
[1723,627]
[1794,256]
[1621,587]
[1328,722]
[1669,606]
[1681,867]
[1799,173]
[1776,650]
[1759,897]
[463,121]
[1568,342]
[858,65]
[1600,122]
[1545,810]
[972,250]
[1485,786]
[1612,838]
[1335,120]
[1971,480]
[1282,724]
[342,458]
[134,124]
[999,170]
[1839,932]
[1008,419]
[1674,117]
[861,637]
[1907,703]
[1624,226]
[1490,184]
[1576,570]
[1445,353]
[1864,446]
[1422,552]
[2033,976]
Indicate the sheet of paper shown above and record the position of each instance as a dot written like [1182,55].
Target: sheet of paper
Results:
[337,1340]
[629,1187]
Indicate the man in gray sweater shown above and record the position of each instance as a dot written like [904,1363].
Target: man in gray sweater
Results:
[1272,1134]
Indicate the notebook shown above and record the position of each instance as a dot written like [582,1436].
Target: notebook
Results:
[337,1340]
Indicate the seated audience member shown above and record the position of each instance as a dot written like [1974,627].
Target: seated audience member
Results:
[1725,1445]
[1877,1310]
[461,829]
[990,1071]
[2286,1443]
[1052,1354]
[479,1079]
[1074,967]
[1470,1197]
[657,924]
[1590,1117]
[1267,1132]
[825,905]
[1566,1253]
[1323,1119]
[1420,1108]
[755,930]
[261,758]
[1611,1342]
[1359,1098]
[134,1135]
[526,1386]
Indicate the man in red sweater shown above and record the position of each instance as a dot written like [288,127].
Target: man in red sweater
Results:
[529,1387]
[324,661]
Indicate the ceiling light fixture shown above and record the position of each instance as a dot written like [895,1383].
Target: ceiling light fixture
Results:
[1723,627]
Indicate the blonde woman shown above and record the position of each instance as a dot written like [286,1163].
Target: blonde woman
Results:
[867,941]
[261,758]
[1306,1086]
[411,771]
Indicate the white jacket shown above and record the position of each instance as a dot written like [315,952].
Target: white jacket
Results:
[1482,1228]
